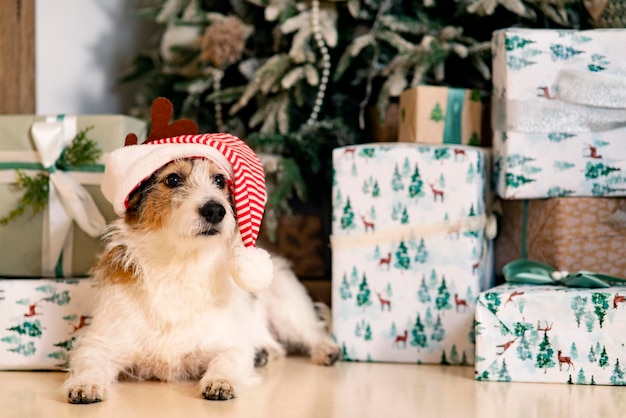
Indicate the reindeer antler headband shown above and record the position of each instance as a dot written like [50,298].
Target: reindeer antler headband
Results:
[127,167]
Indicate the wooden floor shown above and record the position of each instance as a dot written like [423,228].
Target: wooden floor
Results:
[295,388]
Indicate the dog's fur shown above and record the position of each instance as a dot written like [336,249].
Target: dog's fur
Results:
[167,307]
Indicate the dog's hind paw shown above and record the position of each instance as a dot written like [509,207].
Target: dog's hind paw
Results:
[326,353]
[218,390]
[85,393]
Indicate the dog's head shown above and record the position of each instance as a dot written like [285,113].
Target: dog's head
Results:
[186,199]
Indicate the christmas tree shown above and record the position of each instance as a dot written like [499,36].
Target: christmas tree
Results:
[295,78]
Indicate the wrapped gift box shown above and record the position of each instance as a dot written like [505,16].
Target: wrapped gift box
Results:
[410,251]
[22,239]
[572,234]
[557,116]
[551,334]
[441,115]
[40,320]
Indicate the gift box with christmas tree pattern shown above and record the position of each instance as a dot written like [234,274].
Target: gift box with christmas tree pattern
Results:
[441,115]
[410,250]
[52,211]
[557,113]
[573,234]
[551,334]
[40,319]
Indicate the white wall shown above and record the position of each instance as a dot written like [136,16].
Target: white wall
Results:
[81,46]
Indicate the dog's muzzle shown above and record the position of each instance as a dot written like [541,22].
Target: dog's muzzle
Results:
[213,213]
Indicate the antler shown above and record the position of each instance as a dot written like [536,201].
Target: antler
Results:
[162,111]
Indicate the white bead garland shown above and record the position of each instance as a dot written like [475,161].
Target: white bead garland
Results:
[317,35]
[217,86]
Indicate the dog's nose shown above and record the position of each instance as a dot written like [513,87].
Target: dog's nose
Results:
[212,212]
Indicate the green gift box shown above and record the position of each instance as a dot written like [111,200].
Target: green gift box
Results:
[63,239]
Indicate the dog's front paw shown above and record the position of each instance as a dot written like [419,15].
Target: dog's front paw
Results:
[84,393]
[325,353]
[218,390]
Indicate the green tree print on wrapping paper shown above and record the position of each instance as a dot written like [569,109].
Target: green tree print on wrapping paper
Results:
[492,300]
[454,355]
[518,160]
[418,336]
[438,333]
[600,305]
[592,355]
[516,180]
[444,361]
[61,299]
[396,180]
[367,152]
[406,167]
[471,175]
[403,261]
[617,377]
[394,330]
[433,279]
[589,321]
[559,136]
[416,187]
[421,254]
[375,189]
[347,219]
[363,298]
[422,294]
[557,191]
[25,350]
[563,52]
[354,276]
[517,63]
[513,42]
[594,171]
[31,329]
[367,336]
[441,153]
[581,380]
[436,114]
[523,347]
[503,373]
[366,187]
[603,190]
[344,353]
[344,289]
[443,296]
[545,355]
[404,219]
[573,351]
[578,307]
[428,318]
[603,360]
[598,63]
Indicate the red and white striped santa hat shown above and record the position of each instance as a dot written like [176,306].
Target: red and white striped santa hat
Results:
[126,168]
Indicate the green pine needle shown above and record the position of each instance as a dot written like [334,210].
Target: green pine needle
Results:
[82,151]
[35,195]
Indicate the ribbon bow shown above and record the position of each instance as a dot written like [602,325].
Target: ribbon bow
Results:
[68,201]
[534,272]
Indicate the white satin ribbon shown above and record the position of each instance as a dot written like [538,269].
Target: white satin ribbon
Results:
[578,102]
[68,201]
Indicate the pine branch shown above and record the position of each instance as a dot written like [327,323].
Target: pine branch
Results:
[35,195]
[81,151]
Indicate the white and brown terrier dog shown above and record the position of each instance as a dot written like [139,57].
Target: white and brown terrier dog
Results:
[168,306]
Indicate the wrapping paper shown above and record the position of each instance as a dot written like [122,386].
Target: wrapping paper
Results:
[571,234]
[551,334]
[440,115]
[559,113]
[410,251]
[40,320]
[22,240]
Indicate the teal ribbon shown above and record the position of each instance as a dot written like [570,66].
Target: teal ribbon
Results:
[452,128]
[91,168]
[525,271]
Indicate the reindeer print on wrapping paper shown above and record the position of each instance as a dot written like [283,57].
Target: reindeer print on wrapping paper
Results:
[32,310]
[349,152]
[565,360]
[505,346]
[383,302]
[367,224]
[546,328]
[511,296]
[385,261]
[460,153]
[593,152]
[544,91]
[618,299]
[436,192]
[83,321]
[475,267]
[460,303]
[401,339]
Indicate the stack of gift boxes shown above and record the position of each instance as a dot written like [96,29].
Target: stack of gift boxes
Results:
[52,215]
[413,280]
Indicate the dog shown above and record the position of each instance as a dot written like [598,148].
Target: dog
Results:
[167,307]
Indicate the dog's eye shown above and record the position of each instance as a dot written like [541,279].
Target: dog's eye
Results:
[219,181]
[173,180]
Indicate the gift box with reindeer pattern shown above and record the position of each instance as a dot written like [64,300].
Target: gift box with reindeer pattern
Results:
[558,117]
[410,251]
[551,334]
[40,319]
